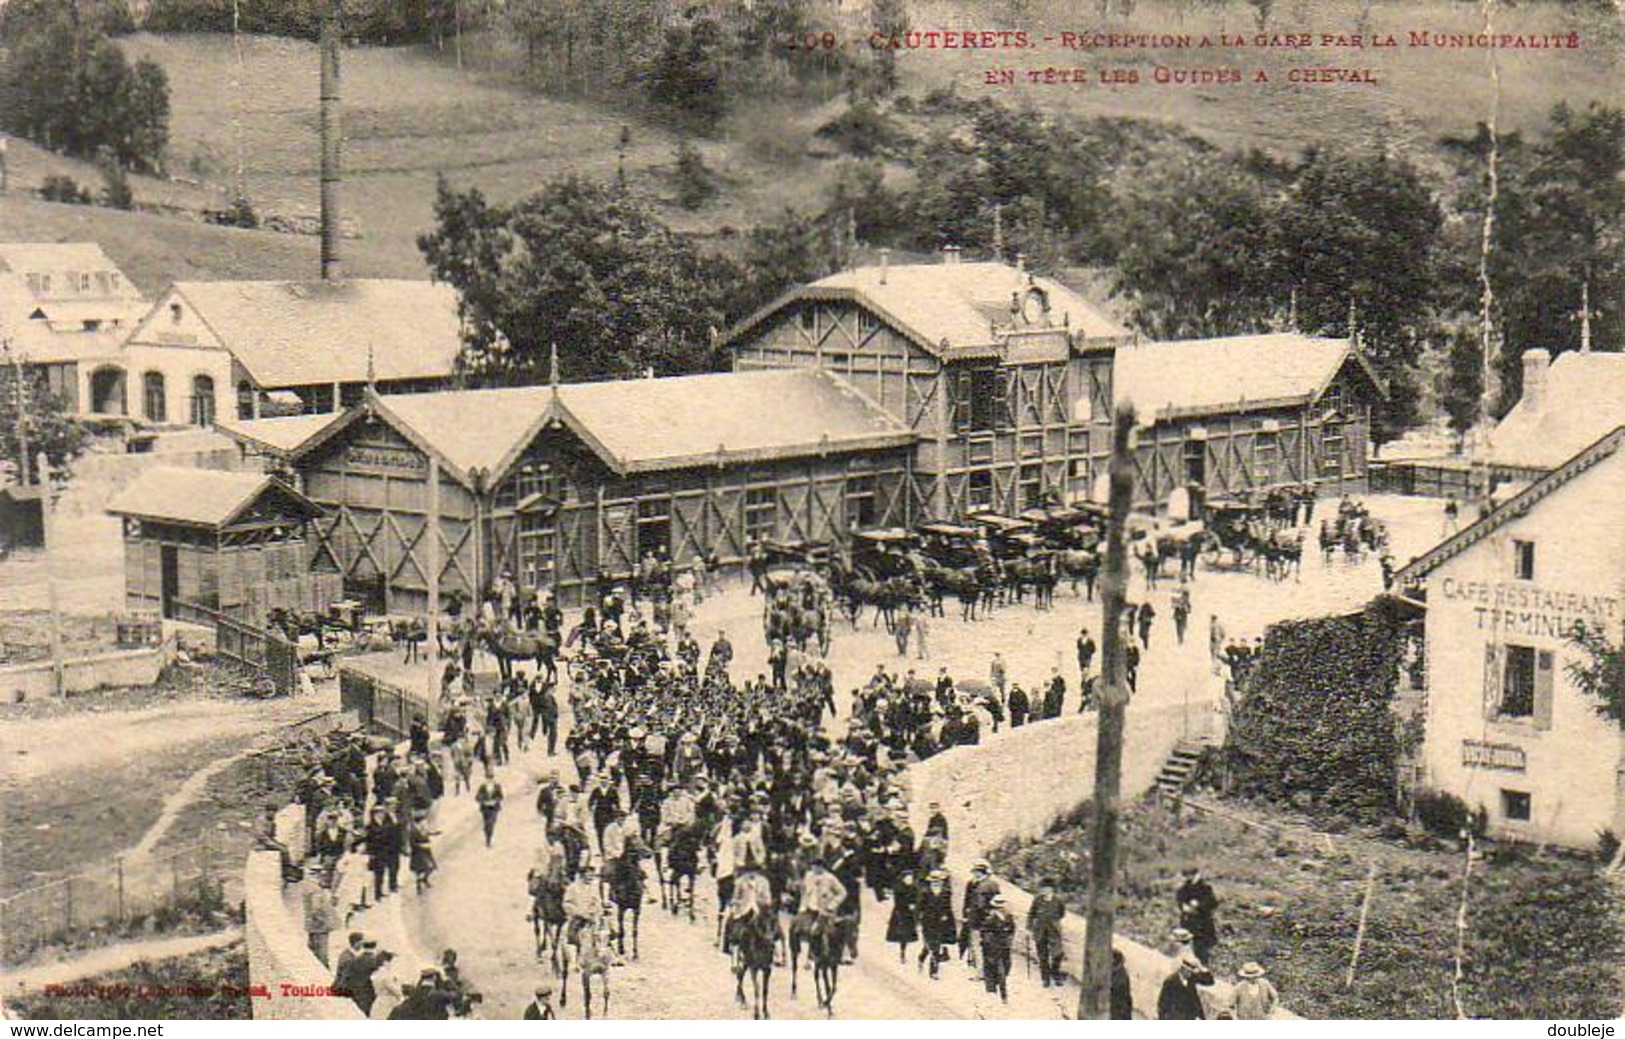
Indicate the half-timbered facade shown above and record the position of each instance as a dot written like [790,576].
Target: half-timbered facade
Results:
[1245,414]
[562,486]
[198,542]
[1005,376]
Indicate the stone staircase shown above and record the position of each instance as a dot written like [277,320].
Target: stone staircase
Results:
[1183,764]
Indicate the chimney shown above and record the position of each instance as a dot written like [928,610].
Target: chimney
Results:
[1535,363]
[331,269]
[885,262]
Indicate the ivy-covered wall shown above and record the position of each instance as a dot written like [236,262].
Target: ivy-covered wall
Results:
[1314,726]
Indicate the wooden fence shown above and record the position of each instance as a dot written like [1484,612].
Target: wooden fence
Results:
[264,651]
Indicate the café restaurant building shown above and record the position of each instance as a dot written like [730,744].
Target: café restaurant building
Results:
[1507,728]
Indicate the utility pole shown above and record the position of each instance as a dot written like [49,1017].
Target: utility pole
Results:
[47,507]
[1094,1002]
[432,555]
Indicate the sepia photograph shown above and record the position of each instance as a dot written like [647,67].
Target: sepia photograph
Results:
[822,510]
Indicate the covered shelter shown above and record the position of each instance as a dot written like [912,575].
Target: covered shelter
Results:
[201,542]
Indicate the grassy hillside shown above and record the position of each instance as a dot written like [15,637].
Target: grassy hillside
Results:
[1420,94]
[154,250]
[409,115]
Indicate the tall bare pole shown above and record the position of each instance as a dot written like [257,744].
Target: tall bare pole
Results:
[432,555]
[330,142]
[1094,1002]
[47,510]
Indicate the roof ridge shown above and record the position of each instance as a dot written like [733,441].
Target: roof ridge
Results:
[1515,507]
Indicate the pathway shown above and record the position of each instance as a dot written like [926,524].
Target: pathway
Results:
[116,957]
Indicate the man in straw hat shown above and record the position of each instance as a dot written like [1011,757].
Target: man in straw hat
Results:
[1255,997]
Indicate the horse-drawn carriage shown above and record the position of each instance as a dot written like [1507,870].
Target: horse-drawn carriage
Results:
[1068,526]
[883,553]
[954,545]
[814,554]
[797,609]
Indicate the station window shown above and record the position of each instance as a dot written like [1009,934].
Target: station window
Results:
[861,509]
[1032,486]
[1264,457]
[1516,806]
[979,401]
[979,490]
[761,513]
[1523,560]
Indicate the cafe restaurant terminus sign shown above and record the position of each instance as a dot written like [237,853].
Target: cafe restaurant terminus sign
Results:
[1504,757]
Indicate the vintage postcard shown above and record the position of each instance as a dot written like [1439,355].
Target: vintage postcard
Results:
[812,509]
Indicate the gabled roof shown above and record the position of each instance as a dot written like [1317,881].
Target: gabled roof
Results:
[297,333]
[1189,377]
[1513,508]
[946,308]
[641,425]
[24,258]
[277,435]
[1585,398]
[200,497]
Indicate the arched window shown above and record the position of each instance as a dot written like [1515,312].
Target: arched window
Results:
[153,402]
[107,391]
[202,400]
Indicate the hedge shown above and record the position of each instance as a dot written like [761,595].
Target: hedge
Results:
[1314,727]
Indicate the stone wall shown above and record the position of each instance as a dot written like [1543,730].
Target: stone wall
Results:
[1019,782]
[279,951]
[115,668]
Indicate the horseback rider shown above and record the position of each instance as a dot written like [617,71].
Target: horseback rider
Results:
[583,906]
[822,893]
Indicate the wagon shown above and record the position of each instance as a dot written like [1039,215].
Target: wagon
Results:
[881,552]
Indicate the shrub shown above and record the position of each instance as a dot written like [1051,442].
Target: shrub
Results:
[696,185]
[1444,814]
[116,192]
[1607,845]
[865,131]
[59,187]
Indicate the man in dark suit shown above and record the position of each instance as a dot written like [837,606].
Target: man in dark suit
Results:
[383,850]
[1179,1000]
[1197,903]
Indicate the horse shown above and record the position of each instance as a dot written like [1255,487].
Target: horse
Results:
[588,951]
[1079,564]
[682,862]
[626,883]
[509,645]
[414,633]
[547,914]
[752,939]
[293,624]
[825,939]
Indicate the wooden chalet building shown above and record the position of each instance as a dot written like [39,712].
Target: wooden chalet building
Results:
[1004,376]
[1009,380]
[200,541]
[1244,414]
[557,485]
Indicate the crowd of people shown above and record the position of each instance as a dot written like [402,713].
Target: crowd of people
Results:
[674,764]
